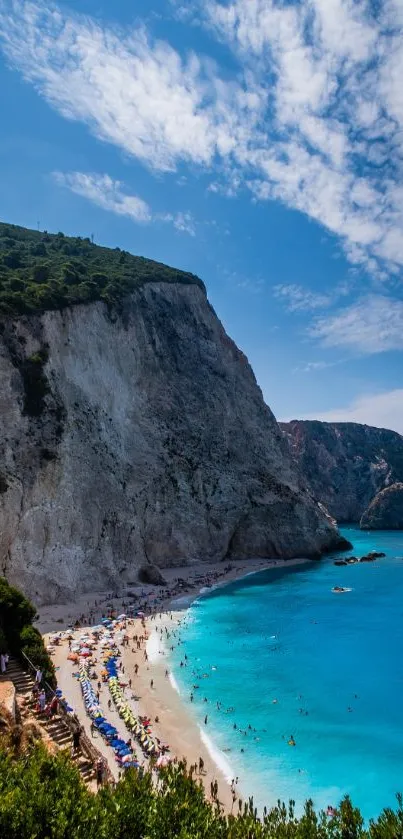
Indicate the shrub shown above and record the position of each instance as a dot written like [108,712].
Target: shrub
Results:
[43,796]
[17,632]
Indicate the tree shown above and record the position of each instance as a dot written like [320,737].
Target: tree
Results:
[17,633]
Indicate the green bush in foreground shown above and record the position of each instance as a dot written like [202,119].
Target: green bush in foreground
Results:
[17,635]
[43,797]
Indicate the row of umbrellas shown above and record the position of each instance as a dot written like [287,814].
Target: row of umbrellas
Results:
[134,724]
[123,753]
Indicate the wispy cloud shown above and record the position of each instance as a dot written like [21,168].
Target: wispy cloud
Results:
[313,116]
[372,324]
[316,366]
[184,222]
[299,299]
[106,193]
[112,196]
[383,410]
[130,89]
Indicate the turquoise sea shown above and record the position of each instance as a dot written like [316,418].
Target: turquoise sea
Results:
[333,663]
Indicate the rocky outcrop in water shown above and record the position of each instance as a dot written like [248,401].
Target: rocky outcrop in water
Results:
[345,464]
[137,434]
[385,511]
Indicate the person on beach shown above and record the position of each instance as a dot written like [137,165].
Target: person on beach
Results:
[75,741]
[205,719]
[99,772]
[38,676]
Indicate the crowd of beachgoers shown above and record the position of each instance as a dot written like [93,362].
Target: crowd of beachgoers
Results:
[96,658]
[121,698]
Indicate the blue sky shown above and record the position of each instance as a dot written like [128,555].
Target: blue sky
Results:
[257,143]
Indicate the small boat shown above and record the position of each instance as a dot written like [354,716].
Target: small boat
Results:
[340,589]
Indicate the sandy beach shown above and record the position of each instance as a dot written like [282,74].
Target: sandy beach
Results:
[152,692]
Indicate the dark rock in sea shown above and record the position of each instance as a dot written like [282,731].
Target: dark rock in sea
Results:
[342,545]
[151,574]
[345,464]
[385,511]
[340,562]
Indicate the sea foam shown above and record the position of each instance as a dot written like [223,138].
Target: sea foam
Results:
[174,683]
[217,756]
[154,647]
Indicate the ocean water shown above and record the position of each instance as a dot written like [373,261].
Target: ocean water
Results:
[284,655]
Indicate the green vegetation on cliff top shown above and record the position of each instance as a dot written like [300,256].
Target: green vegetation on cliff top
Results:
[40,271]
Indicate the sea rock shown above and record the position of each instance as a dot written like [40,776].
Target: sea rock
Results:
[152,575]
[345,464]
[385,511]
[135,435]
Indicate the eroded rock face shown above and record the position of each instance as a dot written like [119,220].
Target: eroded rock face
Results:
[385,511]
[136,437]
[345,464]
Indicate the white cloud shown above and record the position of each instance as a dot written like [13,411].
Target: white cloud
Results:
[134,92]
[332,66]
[315,366]
[299,299]
[106,193]
[111,196]
[382,410]
[183,222]
[312,116]
[372,324]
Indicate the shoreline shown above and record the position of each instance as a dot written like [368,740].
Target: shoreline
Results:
[156,693]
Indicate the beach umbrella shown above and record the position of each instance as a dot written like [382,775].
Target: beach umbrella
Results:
[121,617]
[85,653]
[162,761]
[140,614]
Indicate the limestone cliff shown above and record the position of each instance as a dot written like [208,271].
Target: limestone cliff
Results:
[138,434]
[385,511]
[345,464]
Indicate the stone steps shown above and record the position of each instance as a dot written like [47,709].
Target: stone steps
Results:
[55,727]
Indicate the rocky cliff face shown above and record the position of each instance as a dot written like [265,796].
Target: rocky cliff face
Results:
[385,511]
[138,436]
[345,464]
